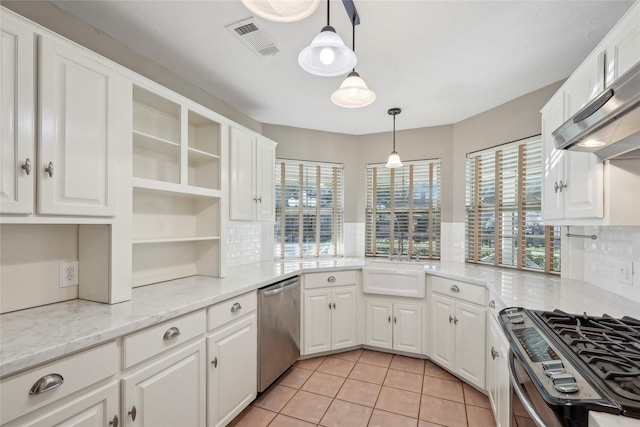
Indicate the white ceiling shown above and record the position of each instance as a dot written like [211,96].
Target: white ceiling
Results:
[440,61]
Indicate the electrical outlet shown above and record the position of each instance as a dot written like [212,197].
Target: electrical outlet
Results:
[624,272]
[68,274]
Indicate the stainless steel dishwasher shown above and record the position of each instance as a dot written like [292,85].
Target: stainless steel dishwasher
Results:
[278,330]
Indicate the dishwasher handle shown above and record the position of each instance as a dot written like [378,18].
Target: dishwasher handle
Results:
[281,287]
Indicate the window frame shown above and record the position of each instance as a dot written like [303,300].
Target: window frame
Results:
[309,209]
[432,211]
[525,181]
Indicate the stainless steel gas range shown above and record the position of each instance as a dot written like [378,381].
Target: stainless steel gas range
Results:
[563,366]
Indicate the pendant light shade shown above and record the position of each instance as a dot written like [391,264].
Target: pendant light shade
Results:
[327,55]
[282,10]
[353,93]
[394,159]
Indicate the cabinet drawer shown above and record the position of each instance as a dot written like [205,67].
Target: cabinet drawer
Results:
[144,344]
[75,373]
[233,308]
[332,278]
[464,291]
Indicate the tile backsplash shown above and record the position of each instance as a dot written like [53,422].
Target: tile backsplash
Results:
[243,243]
[611,262]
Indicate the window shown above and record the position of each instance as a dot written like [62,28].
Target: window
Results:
[309,209]
[503,209]
[403,209]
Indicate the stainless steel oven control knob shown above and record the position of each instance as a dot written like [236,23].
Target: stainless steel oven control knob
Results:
[516,320]
[564,383]
[553,367]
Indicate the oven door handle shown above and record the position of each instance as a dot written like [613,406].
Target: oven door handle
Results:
[522,394]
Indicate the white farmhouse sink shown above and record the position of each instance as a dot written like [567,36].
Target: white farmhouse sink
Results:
[403,279]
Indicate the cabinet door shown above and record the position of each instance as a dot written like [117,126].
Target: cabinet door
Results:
[93,408]
[491,369]
[623,49]
[407,328]
[79,132]
[232,370]
[379,326]
[503,417]
[317,321]
[442,332]
[343,317]
[17,141]
[584,194]
[470,343]
[553,173]
[584,84]
[265,174]
[168,392]
[242,165]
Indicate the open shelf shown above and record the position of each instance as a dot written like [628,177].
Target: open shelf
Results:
[176,189]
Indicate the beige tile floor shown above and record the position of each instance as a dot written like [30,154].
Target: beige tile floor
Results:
[367,388]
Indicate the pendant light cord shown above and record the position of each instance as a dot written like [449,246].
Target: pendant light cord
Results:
[328,3]
[353,38]
[394,133]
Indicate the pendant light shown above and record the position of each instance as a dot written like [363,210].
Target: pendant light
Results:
[327,55]
[282,10]
[353,92]
[394,160]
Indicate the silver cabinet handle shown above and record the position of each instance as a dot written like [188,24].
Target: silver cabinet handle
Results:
[455,288]
[450,319]
[455,320]
[555,187]
[27,166]
[132,413]
[494,353]
[214,362]
[329,306]
[236,307]
[389,319]
[260,199]
[171,333]
[115,421]
[49,169]
[255,199]
[334,305]
[492,304]
[331,279]
[395,319]
[46,383]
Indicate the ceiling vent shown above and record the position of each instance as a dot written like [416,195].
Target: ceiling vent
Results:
[254,36]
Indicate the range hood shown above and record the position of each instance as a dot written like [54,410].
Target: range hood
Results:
[609,126]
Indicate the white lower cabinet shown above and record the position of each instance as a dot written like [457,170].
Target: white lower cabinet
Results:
[329,319]
[394,325]
[458,336]
[232,369]
[167,392]
[498,382]
[98,407]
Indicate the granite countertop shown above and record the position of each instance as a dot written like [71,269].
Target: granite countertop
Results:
[33,336]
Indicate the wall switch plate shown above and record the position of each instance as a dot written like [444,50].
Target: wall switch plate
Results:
[624,272]
[68,274]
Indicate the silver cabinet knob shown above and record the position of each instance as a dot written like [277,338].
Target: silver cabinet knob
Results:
[236,307]
[455,320]
[214,362]
[494,353]
[395,319]
[334,305]
[46,383]
[450,319]
[389,319]
[492,304]
[455,288]
[171,333]
[331,279]
[27,166]
[49,169]
[133,413]
[558,186]
[115,421]
[260,199]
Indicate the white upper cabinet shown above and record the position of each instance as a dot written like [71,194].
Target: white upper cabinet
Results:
[79,130]
[252,183]
[17,140]
[623,45]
